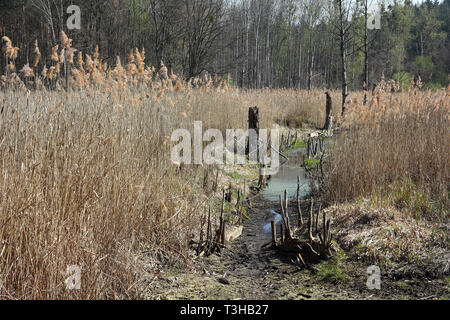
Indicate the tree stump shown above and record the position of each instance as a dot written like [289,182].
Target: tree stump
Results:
[253,129]
[329,107]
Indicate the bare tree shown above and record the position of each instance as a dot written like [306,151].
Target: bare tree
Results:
[365,7]
[203,27]
[45,7]
[164,21]
[343,9]
[312,13]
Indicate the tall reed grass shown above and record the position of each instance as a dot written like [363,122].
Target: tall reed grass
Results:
[397,148]
[86,177]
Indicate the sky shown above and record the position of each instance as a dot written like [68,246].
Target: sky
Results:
[375,2]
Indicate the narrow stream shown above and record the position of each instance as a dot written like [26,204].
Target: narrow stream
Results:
[285,179]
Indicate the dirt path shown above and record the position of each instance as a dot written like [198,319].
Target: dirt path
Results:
[246,271]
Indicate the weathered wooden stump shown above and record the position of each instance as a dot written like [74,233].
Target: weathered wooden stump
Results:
[329,117]
[253,128]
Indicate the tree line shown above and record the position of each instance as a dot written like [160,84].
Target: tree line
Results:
[254,43]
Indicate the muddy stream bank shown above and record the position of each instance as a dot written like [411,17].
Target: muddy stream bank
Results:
[248,269]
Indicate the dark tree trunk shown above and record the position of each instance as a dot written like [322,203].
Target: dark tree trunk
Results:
[366,53]
[343,40]
[253,128]
[329,106]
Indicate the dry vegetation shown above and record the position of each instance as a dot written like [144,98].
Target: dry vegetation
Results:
[86,177]
[399,137]
[390,168]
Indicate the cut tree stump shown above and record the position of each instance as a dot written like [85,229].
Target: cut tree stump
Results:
[329,118]
[253,129]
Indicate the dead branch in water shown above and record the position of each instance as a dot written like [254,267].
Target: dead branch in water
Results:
[316,243]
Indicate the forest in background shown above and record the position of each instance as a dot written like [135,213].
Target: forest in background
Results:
[255,43]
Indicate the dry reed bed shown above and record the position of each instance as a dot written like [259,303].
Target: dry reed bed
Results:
[87,180]
[389,174]
[86,177]
[399,137]
[80,180]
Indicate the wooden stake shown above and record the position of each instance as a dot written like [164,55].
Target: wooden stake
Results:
[299,209]
[310,221]
[208,229]
[221,216]
[285,215]
[281,234]
[274,232]
[222,238]
[317,218]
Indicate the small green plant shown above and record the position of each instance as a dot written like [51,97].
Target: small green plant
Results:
[402,284]
[331,270]
[299,144]
[244,214]
[311,163]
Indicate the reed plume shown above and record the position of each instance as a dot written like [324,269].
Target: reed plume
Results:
[26,71]
[65,41]
[54,55]
[70,55]
[163,71]
[37,54]
[80,61]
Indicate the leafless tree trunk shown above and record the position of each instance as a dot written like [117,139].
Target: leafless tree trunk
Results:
[245,10]
[343,33]
[366,51]
[45,8]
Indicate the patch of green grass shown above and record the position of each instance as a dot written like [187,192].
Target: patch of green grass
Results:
[407,195]
[227,207]
[402,284]
[331,270]
[297,145]
[311,163]
[236,175]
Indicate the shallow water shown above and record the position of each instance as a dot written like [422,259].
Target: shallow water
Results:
[286,178]
[273,216]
